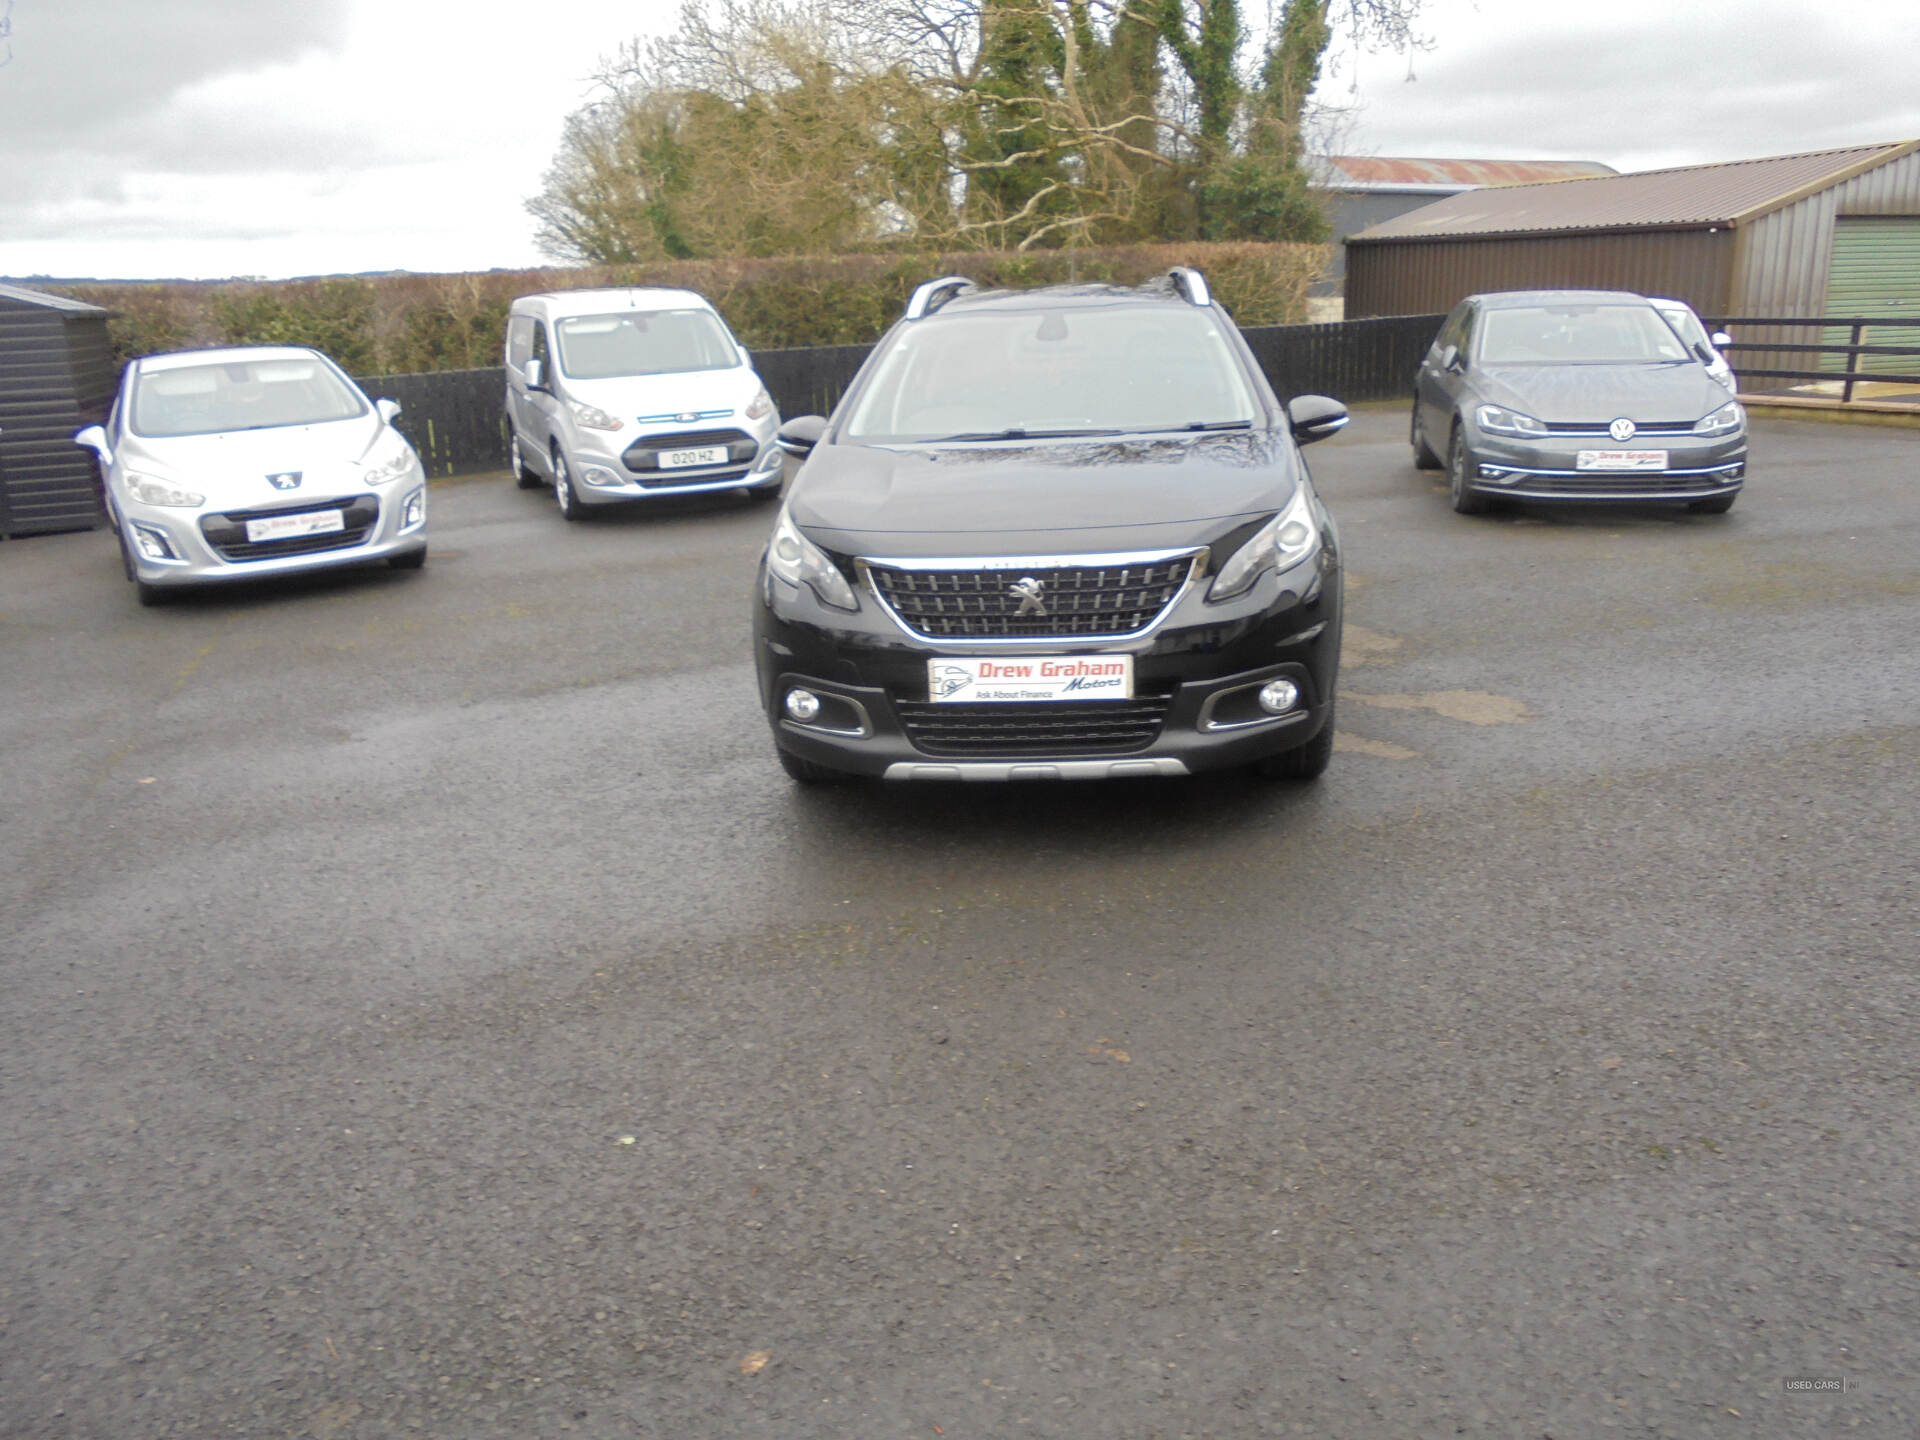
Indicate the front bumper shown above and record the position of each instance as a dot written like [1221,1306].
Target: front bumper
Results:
[1195,679]
[193,554]
[1696,468]
[604,478]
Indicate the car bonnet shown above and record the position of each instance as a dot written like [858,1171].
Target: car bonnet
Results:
[1646,393]
[1099,494]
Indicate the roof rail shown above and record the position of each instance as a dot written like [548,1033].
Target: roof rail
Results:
[1190,283]
[935,293]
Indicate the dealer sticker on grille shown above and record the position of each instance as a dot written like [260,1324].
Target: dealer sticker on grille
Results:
[970,680]
[1621,460]
[687,459]
[286,527]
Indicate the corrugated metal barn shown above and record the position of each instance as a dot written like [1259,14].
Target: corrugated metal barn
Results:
[56,375]
[1835,232]
[1363,190]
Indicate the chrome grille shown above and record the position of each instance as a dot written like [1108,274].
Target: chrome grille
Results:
[1073,602]
[643,456]
[1034,728]
[1598,429]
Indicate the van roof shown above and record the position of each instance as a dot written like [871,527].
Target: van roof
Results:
[557,304]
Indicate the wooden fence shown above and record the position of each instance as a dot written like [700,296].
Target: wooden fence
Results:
[455,419]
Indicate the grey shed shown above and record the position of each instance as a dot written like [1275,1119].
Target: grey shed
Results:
[1832,232]
[56,374]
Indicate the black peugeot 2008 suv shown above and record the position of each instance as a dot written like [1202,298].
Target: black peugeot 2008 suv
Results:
[1062,533]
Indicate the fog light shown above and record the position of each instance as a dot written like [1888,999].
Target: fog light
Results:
[1494,472]
[1277,697]
[803,705]
[414,511]
[152,544]
[598,475]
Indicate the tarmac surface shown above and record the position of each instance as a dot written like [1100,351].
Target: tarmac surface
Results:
[426,1008]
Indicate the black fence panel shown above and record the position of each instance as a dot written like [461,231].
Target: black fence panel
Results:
[810,381]
[455,418]
[1350,360]
[456,421]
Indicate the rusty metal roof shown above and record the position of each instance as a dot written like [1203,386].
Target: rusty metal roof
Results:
[1392,172]
[1728,193]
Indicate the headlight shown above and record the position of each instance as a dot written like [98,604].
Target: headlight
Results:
[798,561]
[593,417]
[152,490]
[1502,421]
[1721,422]
[389,467]
[761,404]
[1283,542]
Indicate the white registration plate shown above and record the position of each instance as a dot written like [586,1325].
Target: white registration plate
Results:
[1621,460]
[286,527]
[974,680]
[689,459]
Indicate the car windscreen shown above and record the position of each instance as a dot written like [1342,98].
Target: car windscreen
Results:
[1100,369]
[643,342]
[241,395]
[1578,335]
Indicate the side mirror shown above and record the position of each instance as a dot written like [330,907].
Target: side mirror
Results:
[536,374]
[1450,358]
[95,439]
[1314,417]
[1720,338]
[389,410]
[799,435]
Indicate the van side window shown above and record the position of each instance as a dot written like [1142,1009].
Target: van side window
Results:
[519,340]
[540,347]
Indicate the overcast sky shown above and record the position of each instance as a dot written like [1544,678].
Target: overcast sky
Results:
[209,138]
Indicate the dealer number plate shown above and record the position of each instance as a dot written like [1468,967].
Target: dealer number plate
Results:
[1012,679]
[287,527]
[1621,460]
[690,459]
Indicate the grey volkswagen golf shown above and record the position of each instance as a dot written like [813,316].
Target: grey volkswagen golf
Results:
[1574,395]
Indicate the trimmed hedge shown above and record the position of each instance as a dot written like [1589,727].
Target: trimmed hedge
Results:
[412,324]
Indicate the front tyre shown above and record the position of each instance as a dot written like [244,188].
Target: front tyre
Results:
[1303,762]
[1423,456]
[1717,505]
[1460,469]
[564,494]
[807,772]
[412,560]
[523,475]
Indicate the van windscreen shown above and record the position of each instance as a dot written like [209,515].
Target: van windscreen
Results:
[653,342]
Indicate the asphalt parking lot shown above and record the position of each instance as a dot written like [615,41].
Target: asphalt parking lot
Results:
[427,1009]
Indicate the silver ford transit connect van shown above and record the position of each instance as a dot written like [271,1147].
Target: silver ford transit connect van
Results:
[618,395]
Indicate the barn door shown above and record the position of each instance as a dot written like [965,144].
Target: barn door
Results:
[1876,272]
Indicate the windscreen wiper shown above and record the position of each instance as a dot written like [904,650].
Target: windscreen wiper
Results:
[1018,432]
[1193,425]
